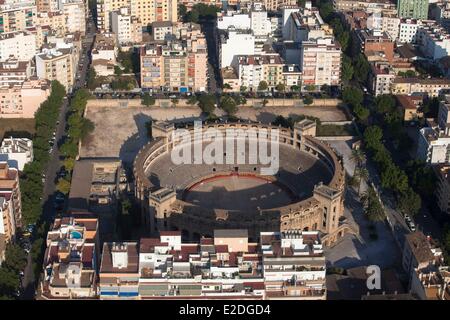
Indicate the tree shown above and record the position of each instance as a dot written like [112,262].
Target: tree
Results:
[227,86]
[280,87]
[207,102]
[192,16]
[409,202]
[87,127]
[347,68]
[182,10]
[192,100]
[91,79]
[359,157]
[175,101]
[372,206]
[148,100]
[308,100]
[362,114]
[385,103]
[228,104]
[373,136]
[361,70]
[69,163]
[263,86]
[295,88]
[117,71]
[15,257]
[353,96]
[362,175]
[63,186]
[243,89]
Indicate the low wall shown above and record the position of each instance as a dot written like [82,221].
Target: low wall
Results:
[167,103]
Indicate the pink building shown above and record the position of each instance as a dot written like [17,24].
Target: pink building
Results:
[22,101]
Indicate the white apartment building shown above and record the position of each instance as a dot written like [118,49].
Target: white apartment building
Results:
[75,12]
[14,72]
[16,151]
[434,41]
[381,78]
[390,24]
[233,44]
[259,22]
[252,69]
[433,146]
[255,20]
[56,64]
[126,27]
[20,45]
[283,254]
[320,62]
[408,30]
[233,19]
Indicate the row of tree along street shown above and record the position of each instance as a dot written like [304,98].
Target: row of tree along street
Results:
[32,189]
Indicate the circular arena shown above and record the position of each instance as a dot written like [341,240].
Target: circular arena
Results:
[303,190]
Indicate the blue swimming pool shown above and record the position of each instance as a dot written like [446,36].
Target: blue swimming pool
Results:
[76,235]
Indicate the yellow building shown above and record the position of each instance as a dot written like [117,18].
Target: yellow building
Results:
[430,87]
[17,19]
[147,11]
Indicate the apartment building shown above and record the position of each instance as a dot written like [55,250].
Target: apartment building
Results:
[381,77]
[152,66]
[252,69]
[288,265]
[119,271]
[408,30]
[442,191]
[422,259]
[375,41]
[147,11]
[430,87]
[433,146]
[383,6]
[20,45]
[14,72]
[71,259]
[104,9]
[416,9]
[57,64]
[293,265]
[233,44]
[22,101]
[301,24]
[75,13]
[7,225]
[254,18]
[10,190]
[274,5]
[126,27]
[16,151]
[57,21]
[385,23]
[434,41]
[47,5]
[17,17]
[320,62]
[104,54]
[177,65]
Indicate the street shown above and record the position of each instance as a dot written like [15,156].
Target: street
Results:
[48,210]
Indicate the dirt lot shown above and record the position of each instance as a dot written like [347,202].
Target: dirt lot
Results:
[16,125]
[120,132]
[268,114]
